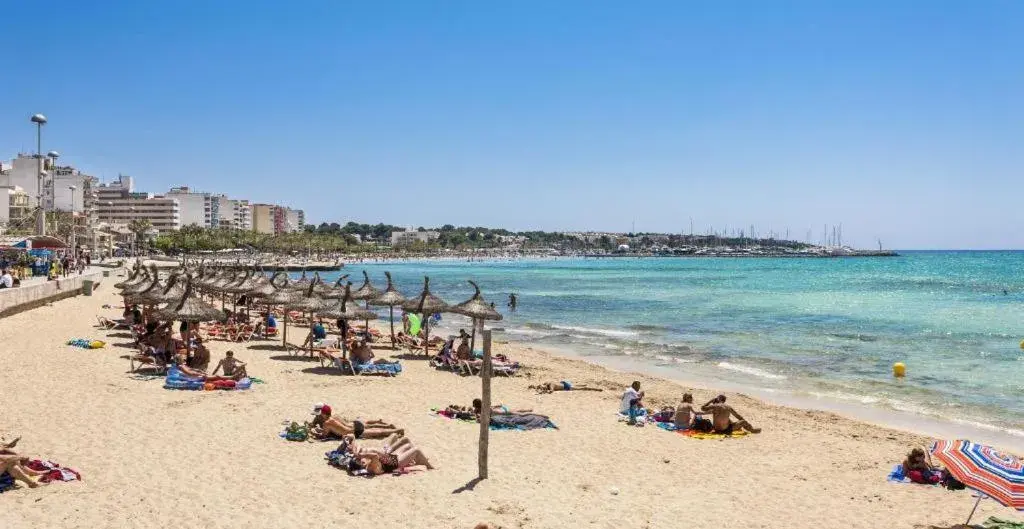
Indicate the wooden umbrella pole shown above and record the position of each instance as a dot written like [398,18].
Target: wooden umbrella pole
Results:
[391,312]
[485,407]
[969,516]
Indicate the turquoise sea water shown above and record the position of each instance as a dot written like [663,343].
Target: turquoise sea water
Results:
[822,327]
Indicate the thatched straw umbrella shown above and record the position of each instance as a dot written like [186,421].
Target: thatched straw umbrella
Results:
[337,291]
[478,310]
[307,301]
[425,304]
[282,296]
[301,283]
[190,308]
[139,284]
[366,292]
[173,291]
[150,295]
[345,310]
[390,298]
[132,276]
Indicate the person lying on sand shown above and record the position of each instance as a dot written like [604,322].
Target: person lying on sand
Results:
[477,408]
[686,417]
[324,425]
[233,368]
[721,417]
[17,467]
[564,385]
[397,453]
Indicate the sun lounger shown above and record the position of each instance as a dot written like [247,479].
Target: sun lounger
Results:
[109,325]
[157,360]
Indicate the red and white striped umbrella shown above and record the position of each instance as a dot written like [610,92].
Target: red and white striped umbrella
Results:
[995,474]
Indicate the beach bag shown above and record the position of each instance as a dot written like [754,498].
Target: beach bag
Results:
[296,432]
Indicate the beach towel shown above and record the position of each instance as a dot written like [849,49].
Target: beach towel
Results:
[296,432]
[86,344]
[694,434]
[177,380]
[370,368]
[524,421]
[897,475]
[54,472]
[1001,523]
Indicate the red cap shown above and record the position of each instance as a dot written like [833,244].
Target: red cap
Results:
[325,410]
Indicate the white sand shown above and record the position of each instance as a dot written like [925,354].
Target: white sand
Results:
[152,457]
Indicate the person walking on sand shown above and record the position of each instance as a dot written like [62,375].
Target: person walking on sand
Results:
[721,417]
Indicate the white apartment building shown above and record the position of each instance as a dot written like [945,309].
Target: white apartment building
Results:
[405,238]
[195,208]
[235,214]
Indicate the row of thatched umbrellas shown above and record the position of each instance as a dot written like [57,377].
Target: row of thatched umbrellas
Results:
[181,297]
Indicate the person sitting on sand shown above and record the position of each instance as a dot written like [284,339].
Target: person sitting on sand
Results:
[397,453]
[632,402]
[721,417]
[919,469]
[7,448]
[463,352]
[17,467]
[233,368]
[686,416]
[324,426]
[200,356]
[361,353]
[563,385]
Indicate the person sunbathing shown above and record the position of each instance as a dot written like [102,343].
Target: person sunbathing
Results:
[17,467]
[397,453]
[200,356]
[317,332]
[338,427]
[474,410]
[686,417]
[361,353]
[233,368]
[564,385]
[721,417]
[917,467]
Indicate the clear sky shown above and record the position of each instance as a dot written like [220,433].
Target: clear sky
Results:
[902,120]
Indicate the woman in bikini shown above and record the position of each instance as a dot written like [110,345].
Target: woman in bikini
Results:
[397,453]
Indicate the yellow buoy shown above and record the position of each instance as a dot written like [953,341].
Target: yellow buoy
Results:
[899,370]
[1022,344]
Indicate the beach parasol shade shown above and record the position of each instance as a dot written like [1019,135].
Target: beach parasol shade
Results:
[390,298]
[477,309]
[151,275]
[305,301]
[136,270]
[173,291]
[995,474]
[345,310]
[337,291]
[367,290]
[264,287]
[190,308]
[243,285]
[301,283]
[149,295]
[426,304]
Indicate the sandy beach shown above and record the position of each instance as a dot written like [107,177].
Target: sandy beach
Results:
[151,457]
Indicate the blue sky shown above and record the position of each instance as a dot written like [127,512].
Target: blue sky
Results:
[902,120]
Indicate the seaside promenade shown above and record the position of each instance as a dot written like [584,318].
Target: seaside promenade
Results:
[151,457]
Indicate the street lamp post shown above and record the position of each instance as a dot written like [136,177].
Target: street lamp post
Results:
[39,120]
[74,225]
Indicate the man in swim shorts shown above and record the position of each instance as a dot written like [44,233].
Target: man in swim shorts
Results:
[563,385]
[721,417]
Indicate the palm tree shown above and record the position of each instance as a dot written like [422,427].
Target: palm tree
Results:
[139,229]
